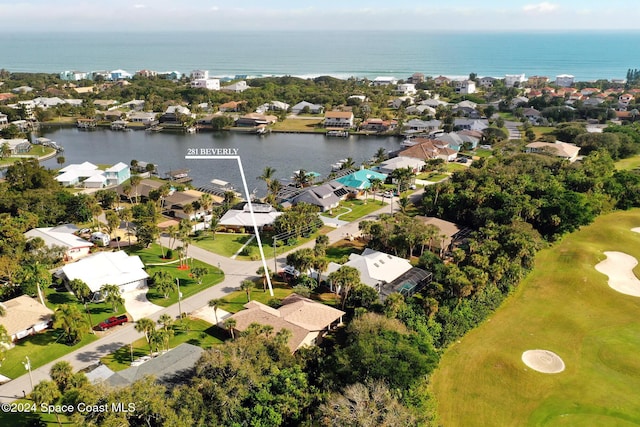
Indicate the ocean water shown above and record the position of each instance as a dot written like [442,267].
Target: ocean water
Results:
[586,55]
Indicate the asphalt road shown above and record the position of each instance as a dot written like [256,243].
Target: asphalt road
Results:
[235,272]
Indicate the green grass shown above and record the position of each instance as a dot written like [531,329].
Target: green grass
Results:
[455,167]
[541,131]
[188,285]
[98,310]
[358,208]
[564,306]
[299,125]
[41,348]
[30,418]
[192,331]
[235,301]
[628,164]
[341,250]
[267,245]
[433,176]
[223,244]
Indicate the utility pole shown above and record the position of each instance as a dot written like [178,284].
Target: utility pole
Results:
[179,298]
[27,366]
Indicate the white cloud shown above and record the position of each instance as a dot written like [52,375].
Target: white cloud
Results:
[139,6]
[214,8]
[544,7]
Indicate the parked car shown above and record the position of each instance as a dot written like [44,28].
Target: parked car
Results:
[291,271]
[112,321]
[387,194]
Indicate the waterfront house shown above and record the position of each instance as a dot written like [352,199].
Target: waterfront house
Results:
[384,81]
[237,87]
[416,78]
[427,149]
[173,113]
[147,73]
[199,74]
[388,166]
[385,273]
[62,236]
[255,119]
[119,75]
[73,75]
[511,80]
[559,149]
[326,196]
[117,174]
[487,82]
[361,179]
[74,173]
[378,125]
[16,145]
[107,268]
[231,106]
[537,81]
[338,119]
[465,86]
[307,320]
[146,118]
[24,316]
[313,108]
[564,80]
[441,80]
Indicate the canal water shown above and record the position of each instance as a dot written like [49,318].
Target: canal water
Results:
[284,152]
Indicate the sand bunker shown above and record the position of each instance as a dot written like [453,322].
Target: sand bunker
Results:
[637,229]
[544,361]
[619,267]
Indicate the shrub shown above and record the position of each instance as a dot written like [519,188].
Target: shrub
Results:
[169,254]
[247,251]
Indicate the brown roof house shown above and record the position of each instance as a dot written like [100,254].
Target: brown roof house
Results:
[338,119]
[307,320]
[558,148]
[25,316]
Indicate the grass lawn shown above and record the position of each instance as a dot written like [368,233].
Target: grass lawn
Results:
[433,176]
[565,306]
[192,331]
[358,209]
[99,311]
[482,152]
[540,131]
[628,164]
[224,244]
[235,301]
[188,285]
[455,167]
[299,125]
[30,418]
[41,348]
[267,245]
[341,249]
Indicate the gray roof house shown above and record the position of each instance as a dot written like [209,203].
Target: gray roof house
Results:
[169,368]
[326,196]
[313,108]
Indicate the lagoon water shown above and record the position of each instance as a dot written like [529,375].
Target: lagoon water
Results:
[586,55]
[285,152]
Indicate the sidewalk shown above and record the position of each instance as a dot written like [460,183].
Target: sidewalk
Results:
[235,272]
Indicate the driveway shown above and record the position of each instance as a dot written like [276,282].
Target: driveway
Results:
[137,304]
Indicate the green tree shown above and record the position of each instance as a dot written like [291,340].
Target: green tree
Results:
[164,282]
[230,324]
[198,274]
[344,280]
[247,285]
[215,303]
[62,375]
[147,327]
[112,296]
[113,223]
[73,324]
[46,393]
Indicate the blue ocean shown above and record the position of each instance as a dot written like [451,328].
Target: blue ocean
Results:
[586,55]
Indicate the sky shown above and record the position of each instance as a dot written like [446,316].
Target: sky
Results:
[327,15]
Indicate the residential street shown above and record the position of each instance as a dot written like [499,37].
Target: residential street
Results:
[235,272]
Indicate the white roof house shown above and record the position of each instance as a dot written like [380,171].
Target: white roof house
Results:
[375,267]
[558,148]
[388,166]
[108,268]
[264,215]
[62,235]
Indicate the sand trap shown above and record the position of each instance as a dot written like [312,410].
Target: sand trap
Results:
[637,229]
[619,267]
[544,361]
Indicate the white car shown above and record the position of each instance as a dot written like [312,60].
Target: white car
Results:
[387,194]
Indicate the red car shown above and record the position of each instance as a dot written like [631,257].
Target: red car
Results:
[112,321]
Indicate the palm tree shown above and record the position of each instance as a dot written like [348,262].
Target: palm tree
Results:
[246,285]
[349,163]
[206,201]
[404,203]
[135,180]
[111,294]
[320,264]
[301,178]
[83,293]
[376,185]
[45,393]
[61,373]
[198,273]
[147,327]
[215,303]
[166,321]
[113,223]
[267,175]
[264,273]
[71,321]
[60,160]
[229,324]
[163,282]
[380,155]
[126,215]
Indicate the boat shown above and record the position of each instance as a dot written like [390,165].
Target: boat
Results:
[191,129]
[337,133]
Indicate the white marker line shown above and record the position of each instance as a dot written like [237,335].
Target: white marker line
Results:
[253,218]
